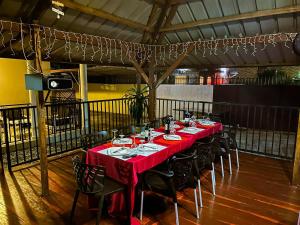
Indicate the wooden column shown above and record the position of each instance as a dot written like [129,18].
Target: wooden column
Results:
[84,96]
[138,81]
[152,94]
[296,169]
[32,97]
[41,119]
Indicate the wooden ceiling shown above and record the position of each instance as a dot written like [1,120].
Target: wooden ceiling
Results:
[164,22]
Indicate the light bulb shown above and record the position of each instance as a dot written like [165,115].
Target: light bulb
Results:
[53,84]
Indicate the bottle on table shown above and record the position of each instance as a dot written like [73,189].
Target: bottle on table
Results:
[167,125]
[187,116]
[147,133]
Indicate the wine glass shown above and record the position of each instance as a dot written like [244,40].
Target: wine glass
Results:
[121,141]
[134,145]
[114,131]
[141,146]
[151,137]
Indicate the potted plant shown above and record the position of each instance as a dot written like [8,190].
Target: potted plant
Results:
[137,102]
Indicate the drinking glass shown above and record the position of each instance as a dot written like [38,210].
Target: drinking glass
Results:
[121,137]
[134,145]
[151,137]
[114,131]
[141,146]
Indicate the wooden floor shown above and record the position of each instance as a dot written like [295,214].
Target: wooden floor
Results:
[259,193]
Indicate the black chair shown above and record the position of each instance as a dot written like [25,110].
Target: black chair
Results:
[206,153]
[91,181]
[227,139]
[175,175]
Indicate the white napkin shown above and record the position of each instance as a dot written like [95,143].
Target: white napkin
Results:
[118,152]
[122,141]
[191,130]
[149,149]
[156,133]
[172,137]
[206,122]
[153,133]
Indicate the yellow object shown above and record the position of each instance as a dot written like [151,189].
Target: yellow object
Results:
[12,81]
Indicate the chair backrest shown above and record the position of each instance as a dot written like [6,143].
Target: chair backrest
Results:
[183,170]
[89,178]
[206,152]
[90,140]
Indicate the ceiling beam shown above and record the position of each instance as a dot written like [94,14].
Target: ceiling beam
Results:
[174,65]
[168,21]
[104,15]
[159,23]
[150,22]
[232,18]
[171,2]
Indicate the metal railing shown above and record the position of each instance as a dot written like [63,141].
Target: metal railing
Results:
[266,130]
[66,123]
[234,80]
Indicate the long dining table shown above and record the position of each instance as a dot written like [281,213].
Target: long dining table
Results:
[127,171]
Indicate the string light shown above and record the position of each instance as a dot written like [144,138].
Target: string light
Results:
[2,36]
[107,47]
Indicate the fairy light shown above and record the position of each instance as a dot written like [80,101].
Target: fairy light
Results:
[11,39]
[107,47]
[2,37]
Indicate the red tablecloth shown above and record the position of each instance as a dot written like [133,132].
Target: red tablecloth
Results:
[126,171]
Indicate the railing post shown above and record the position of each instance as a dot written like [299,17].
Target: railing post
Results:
[296,168]
[6,140]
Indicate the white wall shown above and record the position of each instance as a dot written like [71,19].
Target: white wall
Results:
[186,92]
[203,93]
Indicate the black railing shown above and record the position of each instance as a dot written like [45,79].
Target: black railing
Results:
[267,130]
[234,80]
[66,123]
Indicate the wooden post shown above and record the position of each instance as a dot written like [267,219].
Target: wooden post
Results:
[152,94]
[296,169]
[41,118]
[84,97]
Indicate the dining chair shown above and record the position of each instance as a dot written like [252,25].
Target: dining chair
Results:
[223,151]
[175,175]
[196,170]
[91,181]
[228,141]
[205,159]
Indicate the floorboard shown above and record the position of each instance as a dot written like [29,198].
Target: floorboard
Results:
[258,193]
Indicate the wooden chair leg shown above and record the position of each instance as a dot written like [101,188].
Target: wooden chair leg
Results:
[74,205]
[100,206]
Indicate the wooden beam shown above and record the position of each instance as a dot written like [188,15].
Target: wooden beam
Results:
[159,22]
[296,168]
[174,65]
[168,21]
[140,70]
[64,70]
[41,119]
[104,15]
[150,21]
[238,17]
[171,2]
